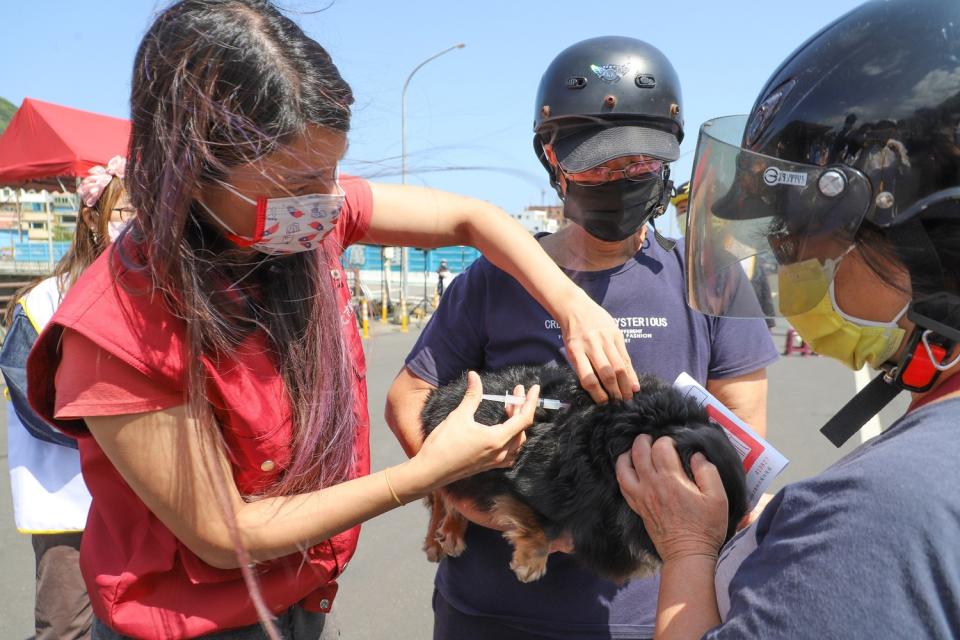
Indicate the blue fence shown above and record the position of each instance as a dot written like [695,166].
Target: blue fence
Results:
[15,246]
[458,258]
[37,251]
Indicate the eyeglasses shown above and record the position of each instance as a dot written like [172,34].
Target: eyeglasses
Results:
[125,213]
[635,172]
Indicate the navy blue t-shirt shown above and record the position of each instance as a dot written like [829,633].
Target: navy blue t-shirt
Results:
[486,320]
[870,548]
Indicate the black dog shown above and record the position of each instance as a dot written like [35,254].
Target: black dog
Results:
[563,482]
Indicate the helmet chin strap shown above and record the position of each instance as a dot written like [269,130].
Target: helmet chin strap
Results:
[859,410]
[542,157]
[665,243]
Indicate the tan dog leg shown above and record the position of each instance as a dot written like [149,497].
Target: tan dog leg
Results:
[452,530]
[530,544]
[445,533]
[431,545]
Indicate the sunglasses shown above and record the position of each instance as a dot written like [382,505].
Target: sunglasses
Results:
[635,171]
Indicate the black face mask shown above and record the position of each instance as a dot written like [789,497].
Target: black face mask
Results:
[616,210]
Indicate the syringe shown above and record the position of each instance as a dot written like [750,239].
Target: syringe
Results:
[546,403]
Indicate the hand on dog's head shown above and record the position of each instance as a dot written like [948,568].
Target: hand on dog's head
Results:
[669,414]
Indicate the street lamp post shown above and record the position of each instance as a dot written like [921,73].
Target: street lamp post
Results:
[404,256]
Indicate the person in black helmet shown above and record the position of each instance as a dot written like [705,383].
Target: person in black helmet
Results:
[681,202]
[608,123]
[847,173]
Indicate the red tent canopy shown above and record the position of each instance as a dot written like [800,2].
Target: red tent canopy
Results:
[45,141]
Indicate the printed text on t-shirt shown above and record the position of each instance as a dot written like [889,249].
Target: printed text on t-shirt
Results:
[632,327]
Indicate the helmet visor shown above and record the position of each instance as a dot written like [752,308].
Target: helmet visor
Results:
[756,222]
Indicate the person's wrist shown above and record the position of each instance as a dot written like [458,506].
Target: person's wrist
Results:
[413,479]
[691,552]
[566,301]
[691,566]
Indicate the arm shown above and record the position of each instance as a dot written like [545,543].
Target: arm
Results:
[405,401]
[687,602]
[746,396]
[175,466]
[421,217]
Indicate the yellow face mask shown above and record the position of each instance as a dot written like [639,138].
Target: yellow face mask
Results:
[828,330]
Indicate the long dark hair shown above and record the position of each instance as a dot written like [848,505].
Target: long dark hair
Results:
[218,84]
[884,250]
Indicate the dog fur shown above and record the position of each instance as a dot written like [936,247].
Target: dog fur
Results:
[563,482]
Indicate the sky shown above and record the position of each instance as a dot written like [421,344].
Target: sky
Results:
[470,111]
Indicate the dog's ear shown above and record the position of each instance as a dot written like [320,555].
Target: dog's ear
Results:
[618,445]
[711,441]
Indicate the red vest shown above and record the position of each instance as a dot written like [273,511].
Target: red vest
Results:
[142,581]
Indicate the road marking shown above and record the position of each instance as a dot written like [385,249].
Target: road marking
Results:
[873,427]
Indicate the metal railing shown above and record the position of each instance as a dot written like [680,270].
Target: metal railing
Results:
[24,267]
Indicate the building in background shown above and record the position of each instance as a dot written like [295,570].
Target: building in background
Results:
[541,218]
[38,211]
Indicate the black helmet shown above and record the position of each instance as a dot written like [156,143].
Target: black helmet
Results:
[605,98]
[860,123]
[877,91]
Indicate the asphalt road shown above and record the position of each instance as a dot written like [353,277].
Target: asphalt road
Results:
[386,591]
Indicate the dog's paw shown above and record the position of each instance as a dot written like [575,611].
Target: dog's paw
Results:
[451,545]
[433,548]
[533,569]
[434,552]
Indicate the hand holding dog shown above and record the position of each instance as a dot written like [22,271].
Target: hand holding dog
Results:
[682,517]
[461,447]
[596,350]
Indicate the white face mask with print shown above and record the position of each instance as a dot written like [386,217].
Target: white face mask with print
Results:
[288,225]
[114,228]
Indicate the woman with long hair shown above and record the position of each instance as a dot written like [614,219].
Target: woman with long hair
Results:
[224,429]
[50,501]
